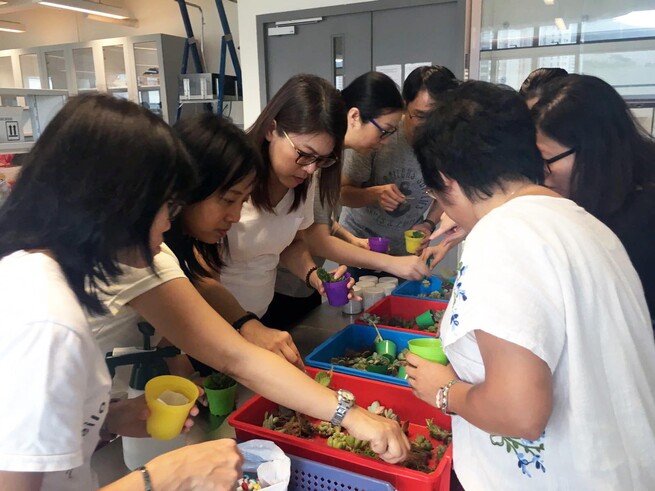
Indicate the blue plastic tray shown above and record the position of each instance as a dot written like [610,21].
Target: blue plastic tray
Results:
[307,475]
[412,289]
[358,337]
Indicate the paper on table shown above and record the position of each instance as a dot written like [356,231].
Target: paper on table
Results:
[173,398]
[394,72]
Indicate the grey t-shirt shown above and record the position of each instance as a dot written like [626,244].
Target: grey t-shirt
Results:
[396,163]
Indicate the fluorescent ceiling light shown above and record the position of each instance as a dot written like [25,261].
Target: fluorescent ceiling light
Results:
[87,7]
[561,25]
[549,2]
[7,26]
[638,18]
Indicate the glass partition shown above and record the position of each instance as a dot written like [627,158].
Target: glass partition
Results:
[55,64]
[85,73]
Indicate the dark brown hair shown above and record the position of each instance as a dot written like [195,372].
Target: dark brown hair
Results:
[305,104]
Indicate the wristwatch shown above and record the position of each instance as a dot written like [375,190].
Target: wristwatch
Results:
[346,401]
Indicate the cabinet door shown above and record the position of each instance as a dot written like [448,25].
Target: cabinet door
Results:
[29,69]
[55,63]
[147,69]
[6,72]
[115,73]
[84,67]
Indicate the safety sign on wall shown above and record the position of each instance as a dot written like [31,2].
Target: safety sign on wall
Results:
[11,127]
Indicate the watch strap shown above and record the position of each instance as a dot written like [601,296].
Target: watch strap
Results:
[238,324]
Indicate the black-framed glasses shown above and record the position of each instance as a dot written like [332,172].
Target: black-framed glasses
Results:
[174,208]
[305,158]
[559,156]
[383,133]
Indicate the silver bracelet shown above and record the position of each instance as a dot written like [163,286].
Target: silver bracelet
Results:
[147,483]
[444,396]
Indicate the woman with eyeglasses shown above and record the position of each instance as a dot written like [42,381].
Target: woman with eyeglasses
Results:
[93,198]
[299,132]
[550,381]
[227,165]
[382,192]
[374,107]
[596,154]
[181,297]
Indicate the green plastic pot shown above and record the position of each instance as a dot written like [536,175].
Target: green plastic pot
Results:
[387,349]
[221,401]
[429,349]
[381,369]
[426,319]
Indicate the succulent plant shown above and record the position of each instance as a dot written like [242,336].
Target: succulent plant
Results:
[327,277]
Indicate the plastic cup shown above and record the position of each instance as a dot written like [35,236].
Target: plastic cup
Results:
[387,287]
[381,369]
[413,243]
[365,284]
[369,277]
[371,295]
[166,421]
[379,244]
[386,348]
[401,373]
[429,349]
[389,279]
[426,319]
[353,306]
[337,292]
[221,401]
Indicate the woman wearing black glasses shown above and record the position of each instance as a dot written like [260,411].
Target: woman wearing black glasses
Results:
[299,132]
[374,108]
[596,154]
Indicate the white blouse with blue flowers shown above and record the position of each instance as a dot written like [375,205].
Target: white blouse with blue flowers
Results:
[542,273]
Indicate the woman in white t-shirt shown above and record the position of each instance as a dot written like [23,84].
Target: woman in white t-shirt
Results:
[227,166]
[187,316]
[99,187]
[374,107]
[552,375]
[299,132]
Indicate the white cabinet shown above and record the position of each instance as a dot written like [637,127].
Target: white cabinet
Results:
[143,69]
[24,113]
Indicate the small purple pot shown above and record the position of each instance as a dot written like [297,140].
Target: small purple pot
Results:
[379,244]
[337,293]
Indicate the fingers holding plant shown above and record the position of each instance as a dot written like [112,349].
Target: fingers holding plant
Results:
[385,436]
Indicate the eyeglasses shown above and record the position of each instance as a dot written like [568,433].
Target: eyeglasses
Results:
[383,133]
[305,159]
[560,156]
[174,208]
[431,193]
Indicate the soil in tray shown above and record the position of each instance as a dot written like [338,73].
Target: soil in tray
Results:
[322,432]
[444,294]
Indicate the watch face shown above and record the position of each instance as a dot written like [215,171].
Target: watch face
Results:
[348,397]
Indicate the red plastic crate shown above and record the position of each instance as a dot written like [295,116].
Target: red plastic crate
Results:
[248,419]
[405,307]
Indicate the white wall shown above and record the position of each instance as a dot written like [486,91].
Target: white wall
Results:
[47,26]
[248,12]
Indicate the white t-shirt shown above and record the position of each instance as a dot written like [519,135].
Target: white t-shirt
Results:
[255,246]
[119,327]
[53,378]
[544,274]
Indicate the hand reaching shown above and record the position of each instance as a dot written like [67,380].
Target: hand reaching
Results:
[274,340]
[213,465]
